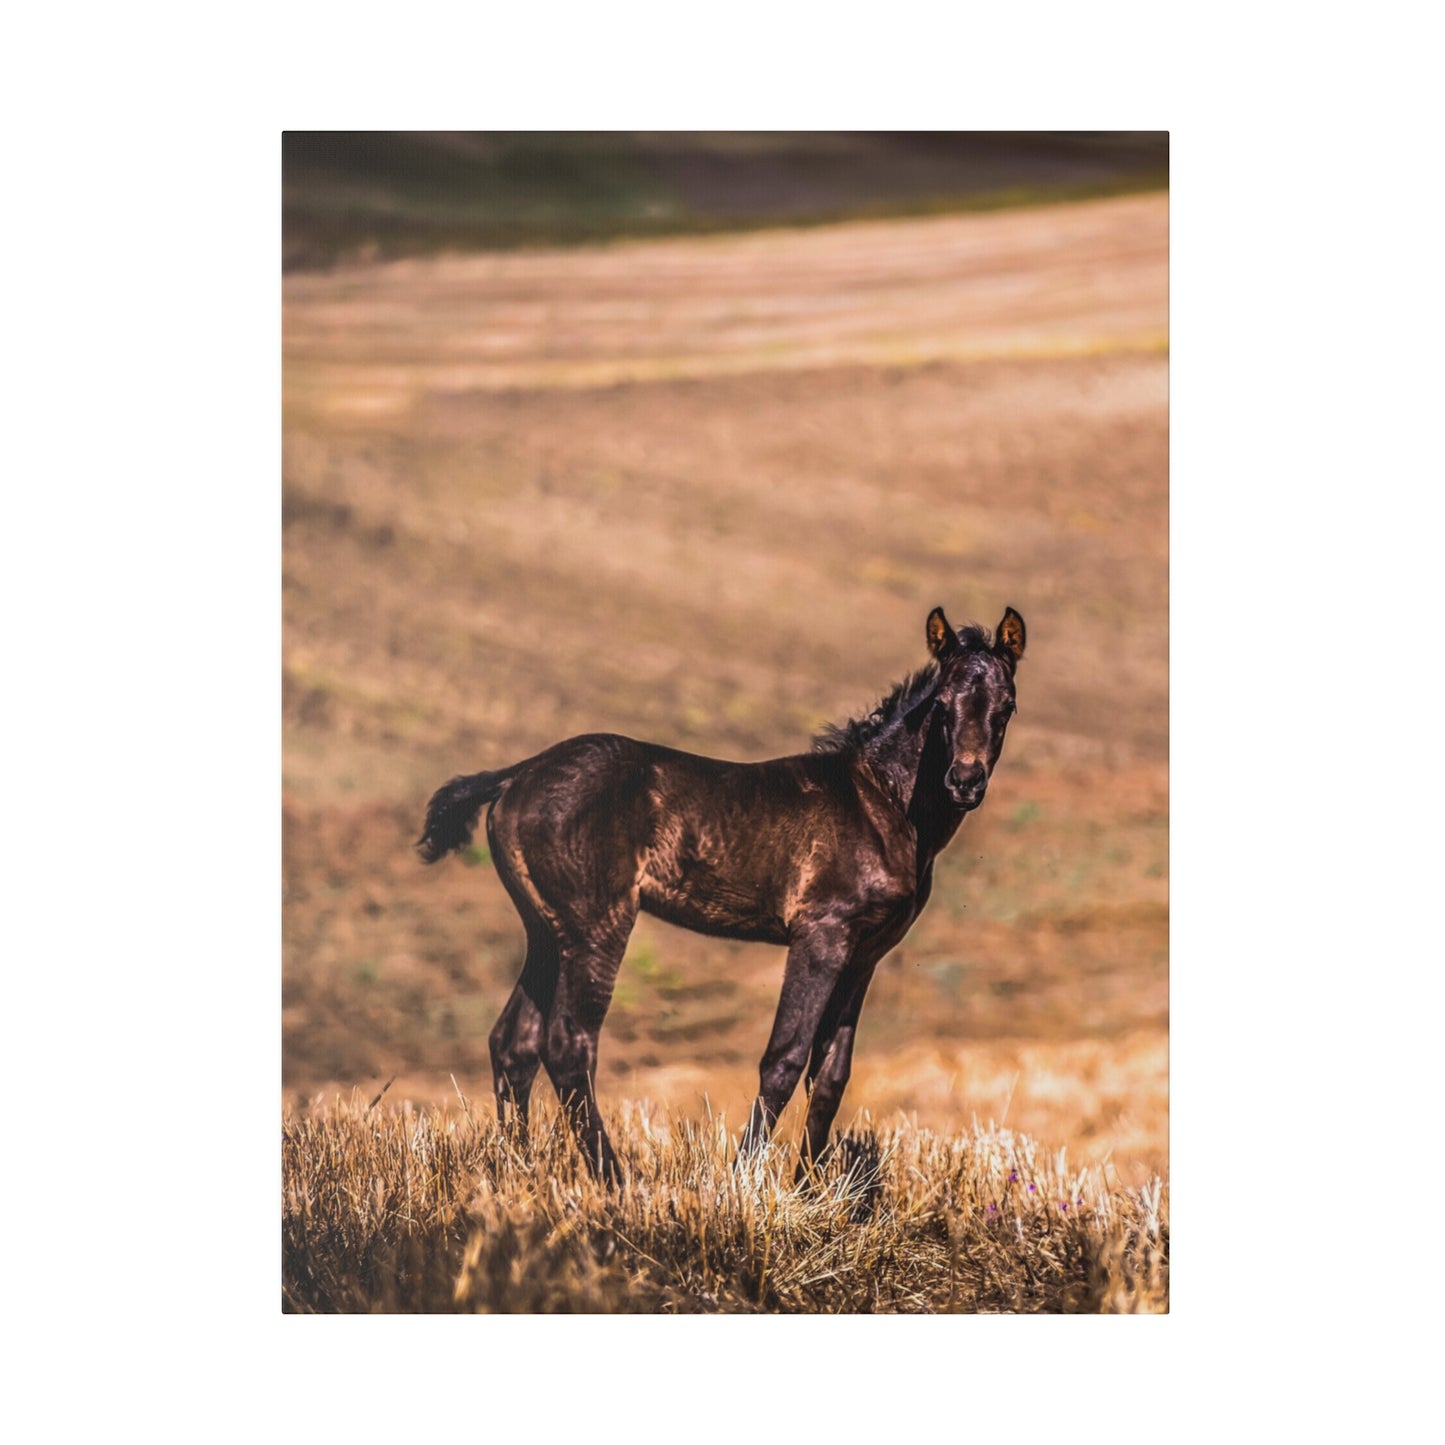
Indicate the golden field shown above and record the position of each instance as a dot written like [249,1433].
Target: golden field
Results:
[704,492]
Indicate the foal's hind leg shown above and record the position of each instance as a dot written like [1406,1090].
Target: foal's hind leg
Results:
[567,841]
[555,1014]
[569,1050]
[516,1038]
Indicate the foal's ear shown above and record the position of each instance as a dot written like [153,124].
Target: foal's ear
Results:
[942,639]
[1010,635]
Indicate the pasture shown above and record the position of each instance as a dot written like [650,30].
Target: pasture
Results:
[703,492]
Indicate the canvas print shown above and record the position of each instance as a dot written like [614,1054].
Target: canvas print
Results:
[725,722]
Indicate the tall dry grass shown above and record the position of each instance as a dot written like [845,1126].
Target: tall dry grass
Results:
[430,1210]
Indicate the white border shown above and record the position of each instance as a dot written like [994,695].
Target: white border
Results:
[143,600]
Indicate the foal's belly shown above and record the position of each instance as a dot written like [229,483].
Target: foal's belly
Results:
[724,842]
[707,904]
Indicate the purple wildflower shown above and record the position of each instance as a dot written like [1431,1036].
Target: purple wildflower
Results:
[1032,1188]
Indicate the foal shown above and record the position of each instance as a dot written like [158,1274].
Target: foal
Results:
[829,852]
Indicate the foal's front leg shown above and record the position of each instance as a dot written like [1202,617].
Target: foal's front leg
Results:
[815,961]
[832,1062]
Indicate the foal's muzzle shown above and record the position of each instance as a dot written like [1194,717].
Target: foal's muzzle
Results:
[966,784]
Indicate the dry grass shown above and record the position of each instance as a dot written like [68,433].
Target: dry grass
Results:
[424,1210]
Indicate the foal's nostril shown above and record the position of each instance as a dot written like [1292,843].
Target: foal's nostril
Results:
[967,783]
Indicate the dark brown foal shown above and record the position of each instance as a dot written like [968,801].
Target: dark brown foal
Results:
[829,853]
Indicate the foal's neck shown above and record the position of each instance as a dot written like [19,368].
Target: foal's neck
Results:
[909,759]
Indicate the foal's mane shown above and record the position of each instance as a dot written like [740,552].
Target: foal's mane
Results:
[839,737]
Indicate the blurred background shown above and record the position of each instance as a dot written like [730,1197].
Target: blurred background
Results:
[681,436]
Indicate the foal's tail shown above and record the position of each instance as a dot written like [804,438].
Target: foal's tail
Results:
[451,816]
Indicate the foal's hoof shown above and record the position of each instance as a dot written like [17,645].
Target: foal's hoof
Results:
[605,1169]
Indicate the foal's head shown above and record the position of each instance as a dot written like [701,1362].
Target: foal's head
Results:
[974,699]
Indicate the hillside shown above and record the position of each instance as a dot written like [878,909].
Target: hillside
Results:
[374,194]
